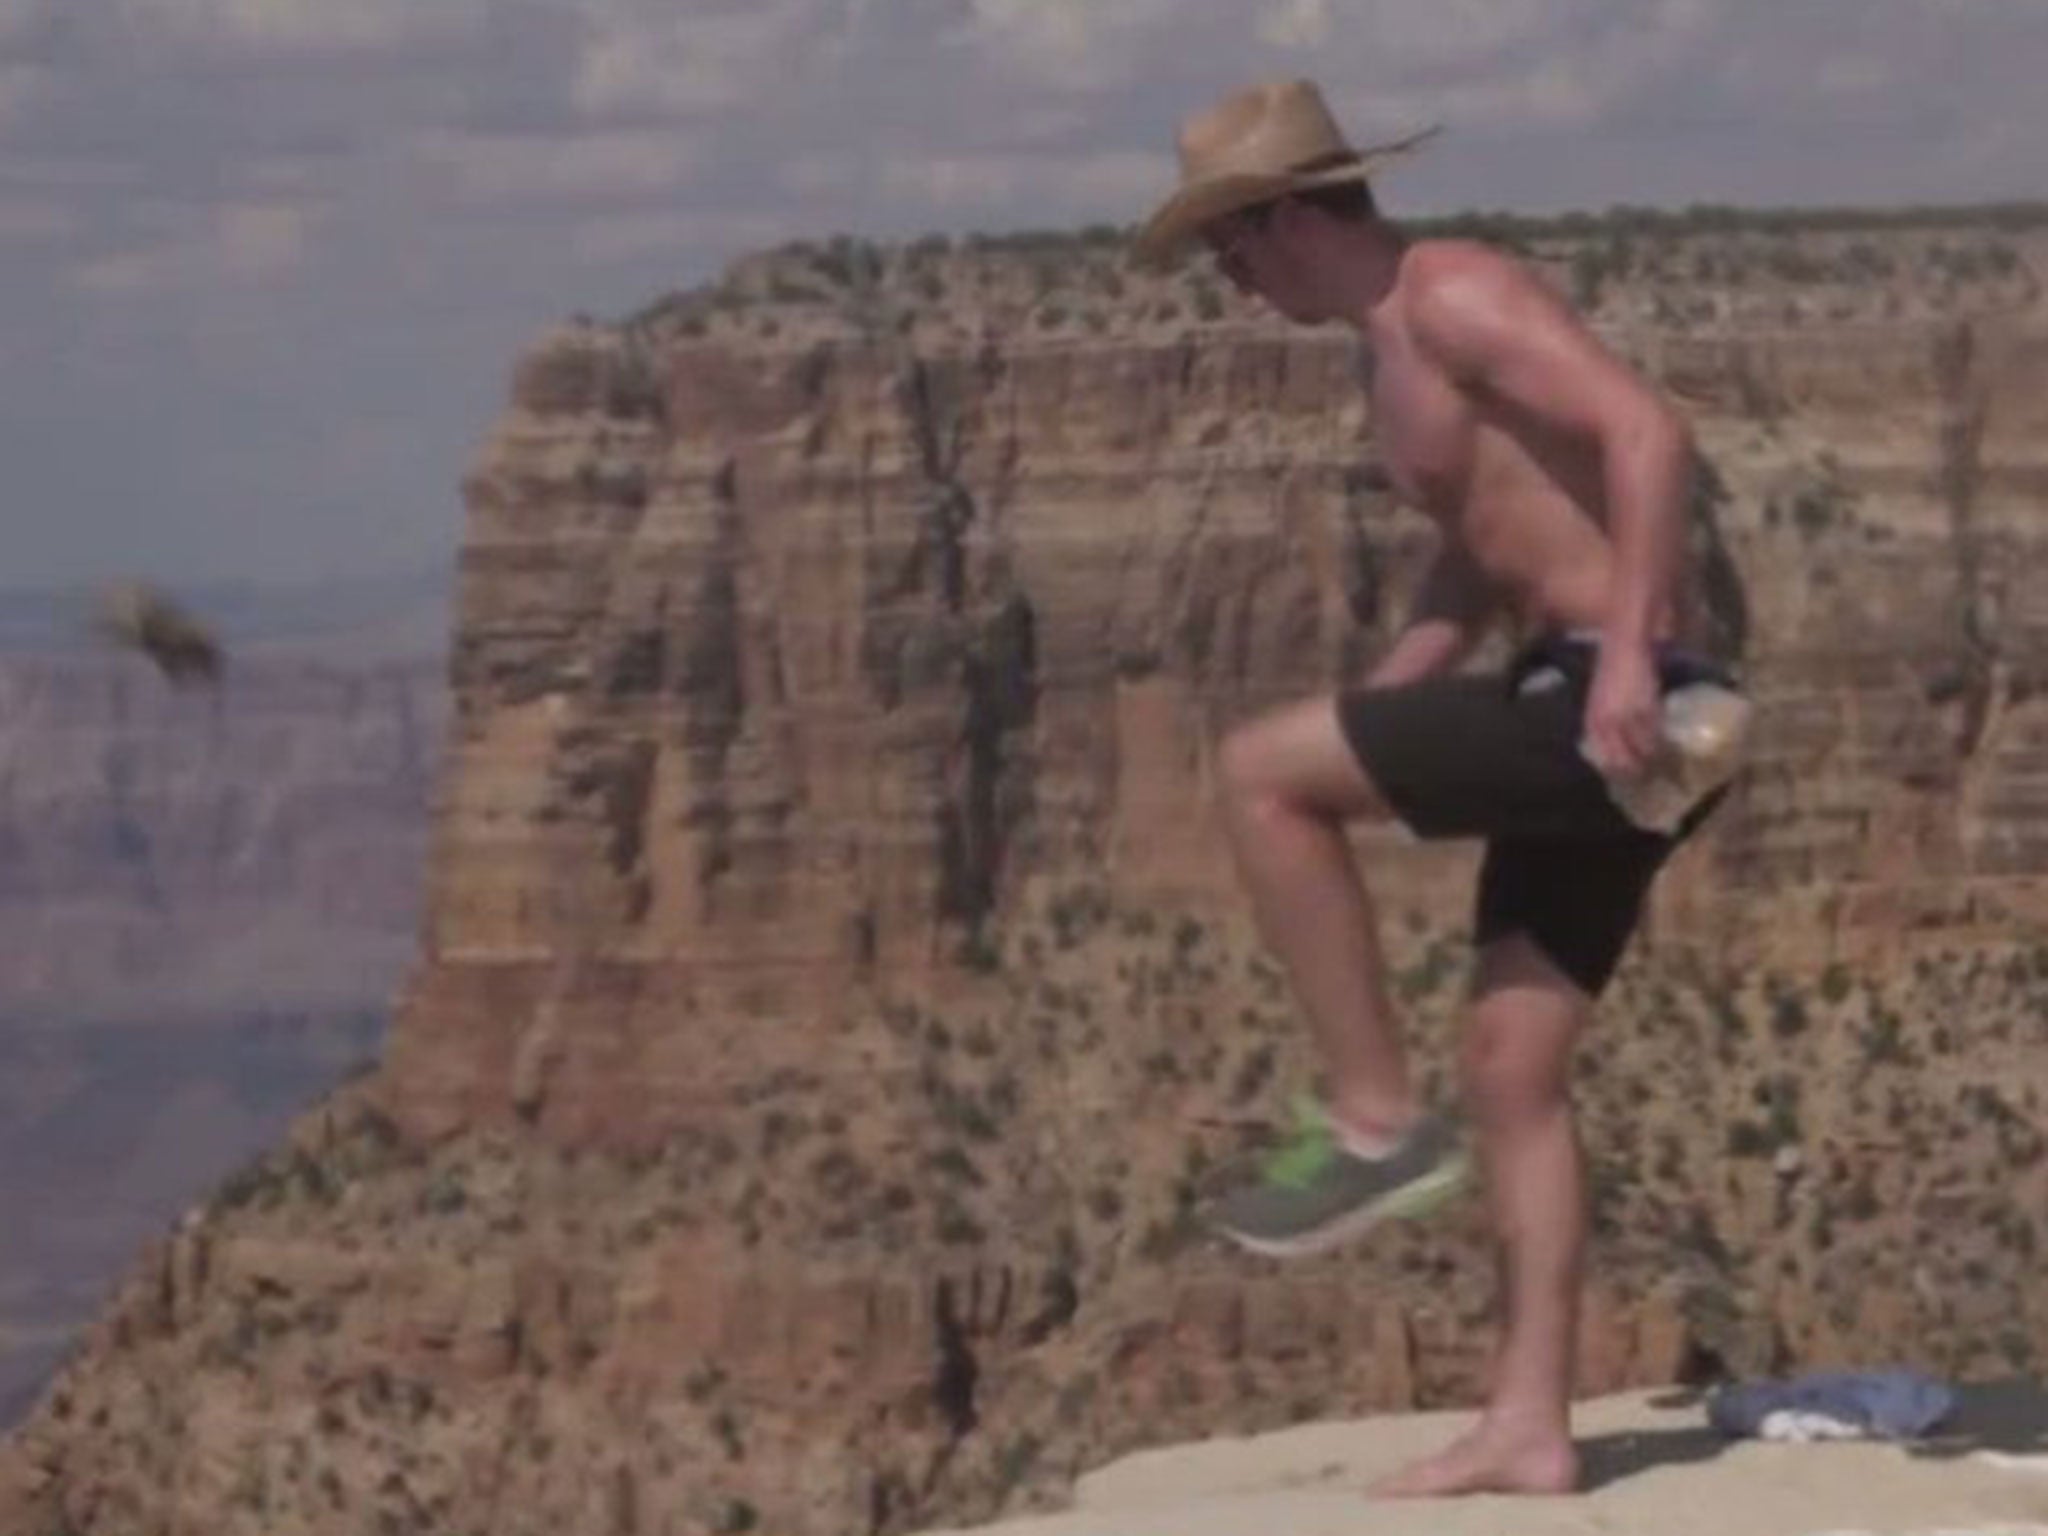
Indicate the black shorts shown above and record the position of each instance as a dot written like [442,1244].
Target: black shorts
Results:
[1497,756]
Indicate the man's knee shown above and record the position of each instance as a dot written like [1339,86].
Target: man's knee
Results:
[1515,1059]
[1240,766]
[1294,761]
[1510,1075]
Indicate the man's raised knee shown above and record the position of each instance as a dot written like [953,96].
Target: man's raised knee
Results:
[1294,761]
[1245,777]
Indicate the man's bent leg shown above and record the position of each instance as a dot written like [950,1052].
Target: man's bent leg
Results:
[1526,1016]
[1288,782]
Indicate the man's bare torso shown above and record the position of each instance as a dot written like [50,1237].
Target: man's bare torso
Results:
[1526,503]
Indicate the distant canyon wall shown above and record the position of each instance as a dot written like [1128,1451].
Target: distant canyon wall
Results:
[174,854]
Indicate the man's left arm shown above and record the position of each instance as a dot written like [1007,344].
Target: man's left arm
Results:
[1502,332]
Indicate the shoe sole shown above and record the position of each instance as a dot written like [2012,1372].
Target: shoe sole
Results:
[1419,1198]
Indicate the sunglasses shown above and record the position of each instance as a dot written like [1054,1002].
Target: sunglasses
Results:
[1226,236]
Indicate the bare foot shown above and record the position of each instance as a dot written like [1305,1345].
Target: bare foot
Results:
[1489,1458]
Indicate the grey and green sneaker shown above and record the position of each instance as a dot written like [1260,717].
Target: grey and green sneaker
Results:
[1316,1193]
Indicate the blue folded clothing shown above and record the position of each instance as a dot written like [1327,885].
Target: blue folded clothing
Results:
[1883,1404]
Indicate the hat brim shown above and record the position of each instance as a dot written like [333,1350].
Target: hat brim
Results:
[1198,202]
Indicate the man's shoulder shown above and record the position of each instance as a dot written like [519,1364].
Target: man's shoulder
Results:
[1449,288]
[1431,267]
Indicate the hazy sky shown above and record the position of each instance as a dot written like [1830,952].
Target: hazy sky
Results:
[264,263]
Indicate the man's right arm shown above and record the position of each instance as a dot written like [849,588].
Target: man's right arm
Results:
[1451,614]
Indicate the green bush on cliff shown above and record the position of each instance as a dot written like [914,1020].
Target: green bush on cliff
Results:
[1788,1016]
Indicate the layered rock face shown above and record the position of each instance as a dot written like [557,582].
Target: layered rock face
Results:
[834,1003]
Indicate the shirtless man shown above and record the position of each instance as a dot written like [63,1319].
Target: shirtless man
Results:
[1559,480]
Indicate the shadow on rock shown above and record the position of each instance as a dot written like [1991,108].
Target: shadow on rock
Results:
[1606,1459]
[2010,1417]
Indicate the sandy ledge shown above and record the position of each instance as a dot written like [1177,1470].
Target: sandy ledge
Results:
[1652,1465]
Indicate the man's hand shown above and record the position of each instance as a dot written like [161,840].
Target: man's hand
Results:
[1624,727]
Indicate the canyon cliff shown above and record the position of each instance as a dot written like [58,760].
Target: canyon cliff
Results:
[832,1004]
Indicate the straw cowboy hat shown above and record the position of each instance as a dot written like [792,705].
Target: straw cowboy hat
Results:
[1253,146]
